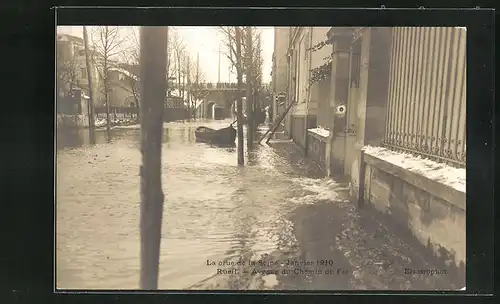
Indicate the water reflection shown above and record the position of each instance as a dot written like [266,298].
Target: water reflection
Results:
[214,209]
[74,138]
[252,157]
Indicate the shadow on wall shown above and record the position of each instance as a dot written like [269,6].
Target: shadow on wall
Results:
[416,216]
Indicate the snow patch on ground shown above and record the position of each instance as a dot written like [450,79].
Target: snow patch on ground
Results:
[445,174]
[135,126]
[118,122]
[317,190]
[320,131]
[100,122]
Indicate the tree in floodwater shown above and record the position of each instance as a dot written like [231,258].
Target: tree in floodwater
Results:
[249,62]
[132,58]
[153,73]
[107,43]
[233,41]
[249,94]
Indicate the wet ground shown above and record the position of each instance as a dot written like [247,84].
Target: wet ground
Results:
[276,223]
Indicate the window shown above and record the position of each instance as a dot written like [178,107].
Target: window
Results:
[355,70]
[355,65]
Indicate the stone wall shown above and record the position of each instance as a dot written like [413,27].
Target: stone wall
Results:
[298,128]
[316,147]
[430,211]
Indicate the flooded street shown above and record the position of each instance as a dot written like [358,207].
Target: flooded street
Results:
[278,208]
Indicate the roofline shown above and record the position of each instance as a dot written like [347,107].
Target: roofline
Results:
[72,37]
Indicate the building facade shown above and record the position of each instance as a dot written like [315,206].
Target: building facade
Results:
[279,81]
[401,90]
[71,65]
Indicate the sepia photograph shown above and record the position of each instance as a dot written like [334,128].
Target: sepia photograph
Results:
[260,158]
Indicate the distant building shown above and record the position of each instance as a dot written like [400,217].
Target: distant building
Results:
[301,87]
[363,93]
[279,82]
[123,85]
[71,65]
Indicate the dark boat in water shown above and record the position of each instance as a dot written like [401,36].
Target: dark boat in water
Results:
[224,136]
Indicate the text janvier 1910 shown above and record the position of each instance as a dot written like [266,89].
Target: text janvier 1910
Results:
[299,267]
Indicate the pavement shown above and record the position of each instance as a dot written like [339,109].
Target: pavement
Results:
[338,246]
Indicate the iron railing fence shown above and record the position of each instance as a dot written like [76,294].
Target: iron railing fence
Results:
[426,114]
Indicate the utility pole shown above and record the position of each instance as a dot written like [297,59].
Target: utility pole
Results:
[197,83]
[249,95]
[239,103]
[153,45]
[89,78]
[188,69]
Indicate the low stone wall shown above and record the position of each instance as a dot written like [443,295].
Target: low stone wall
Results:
[432,212]
[342,152]
[316,147]
[299,133]
[298,130]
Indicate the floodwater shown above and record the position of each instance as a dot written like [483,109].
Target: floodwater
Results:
[213,208]
[214,211]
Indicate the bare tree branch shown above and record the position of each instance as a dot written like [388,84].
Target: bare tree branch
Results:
[229,41]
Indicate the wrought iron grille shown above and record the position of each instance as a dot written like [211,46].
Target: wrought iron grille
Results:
[427,93]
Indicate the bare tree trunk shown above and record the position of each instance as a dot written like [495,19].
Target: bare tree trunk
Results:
[239,111]
[249,95]
[137,107]
[106,98]
[89,77]
[106,80]
[153,74]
